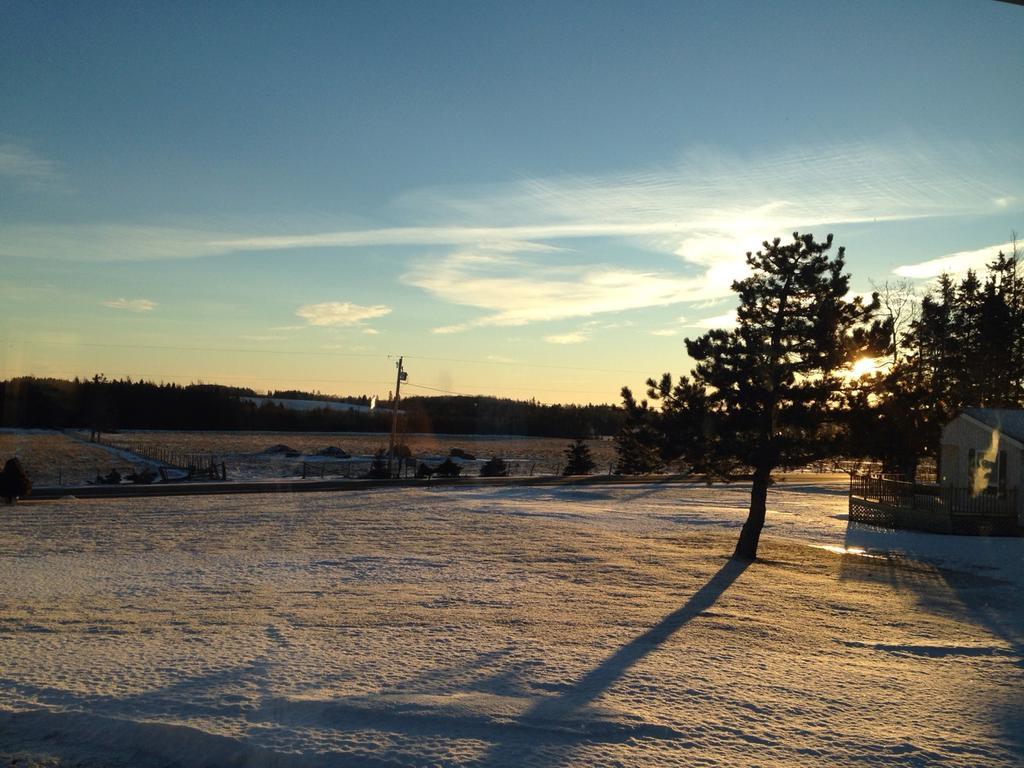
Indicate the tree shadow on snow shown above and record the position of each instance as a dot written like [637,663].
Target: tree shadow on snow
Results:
[562,720]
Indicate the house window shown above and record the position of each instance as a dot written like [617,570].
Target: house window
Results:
[987,475]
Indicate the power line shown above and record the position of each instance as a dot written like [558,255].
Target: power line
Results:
[523,389]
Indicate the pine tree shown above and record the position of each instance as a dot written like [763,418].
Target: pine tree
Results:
[579,460]
[771,387]
[638,443]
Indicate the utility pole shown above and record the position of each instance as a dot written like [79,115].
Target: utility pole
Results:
[402,376]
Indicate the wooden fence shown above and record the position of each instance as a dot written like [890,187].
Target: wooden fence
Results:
[882,501]
[196,464]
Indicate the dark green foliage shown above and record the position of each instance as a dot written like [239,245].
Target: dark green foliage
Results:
[494,467]
[99,403]
[964,348]
[14,482]
[767,393]
[636,448]
[579,460]
[447,468]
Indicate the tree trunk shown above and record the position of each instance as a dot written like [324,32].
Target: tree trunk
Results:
[750,536]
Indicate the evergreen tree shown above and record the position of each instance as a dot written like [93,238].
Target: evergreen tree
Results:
[637,446]
[966,348]
[579,460]
[767,393]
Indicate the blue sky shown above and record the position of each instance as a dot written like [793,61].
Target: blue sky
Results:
[527,199]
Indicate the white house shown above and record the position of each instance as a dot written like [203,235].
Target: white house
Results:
[983,450]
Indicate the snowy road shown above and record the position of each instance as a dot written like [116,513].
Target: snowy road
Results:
[502,626]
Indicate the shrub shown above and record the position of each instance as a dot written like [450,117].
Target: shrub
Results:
[14,483]
[495,467]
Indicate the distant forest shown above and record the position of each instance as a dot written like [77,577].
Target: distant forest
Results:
[105,404]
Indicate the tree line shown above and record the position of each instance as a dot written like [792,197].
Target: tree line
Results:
[105,404]
[961,345]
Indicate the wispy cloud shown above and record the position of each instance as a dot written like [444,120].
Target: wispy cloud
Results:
[445,329]
[727,320]
[574,337]
[131,305]
[707,209]
[522,291]
[664,332]
[370,331]
[28,169]
[340,313]
[105,242]
[954,263]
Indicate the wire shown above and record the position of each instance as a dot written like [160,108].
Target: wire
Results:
[524,365]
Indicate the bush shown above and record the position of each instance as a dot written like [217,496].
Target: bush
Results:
[334,452]
[495,467]
[14,483]
[111,478]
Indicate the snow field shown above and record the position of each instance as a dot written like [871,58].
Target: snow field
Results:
[501,626]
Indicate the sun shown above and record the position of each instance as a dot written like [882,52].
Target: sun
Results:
[863,367]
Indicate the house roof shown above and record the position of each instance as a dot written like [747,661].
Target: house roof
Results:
[1009,422]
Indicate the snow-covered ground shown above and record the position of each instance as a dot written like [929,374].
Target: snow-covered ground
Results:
[599,625]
